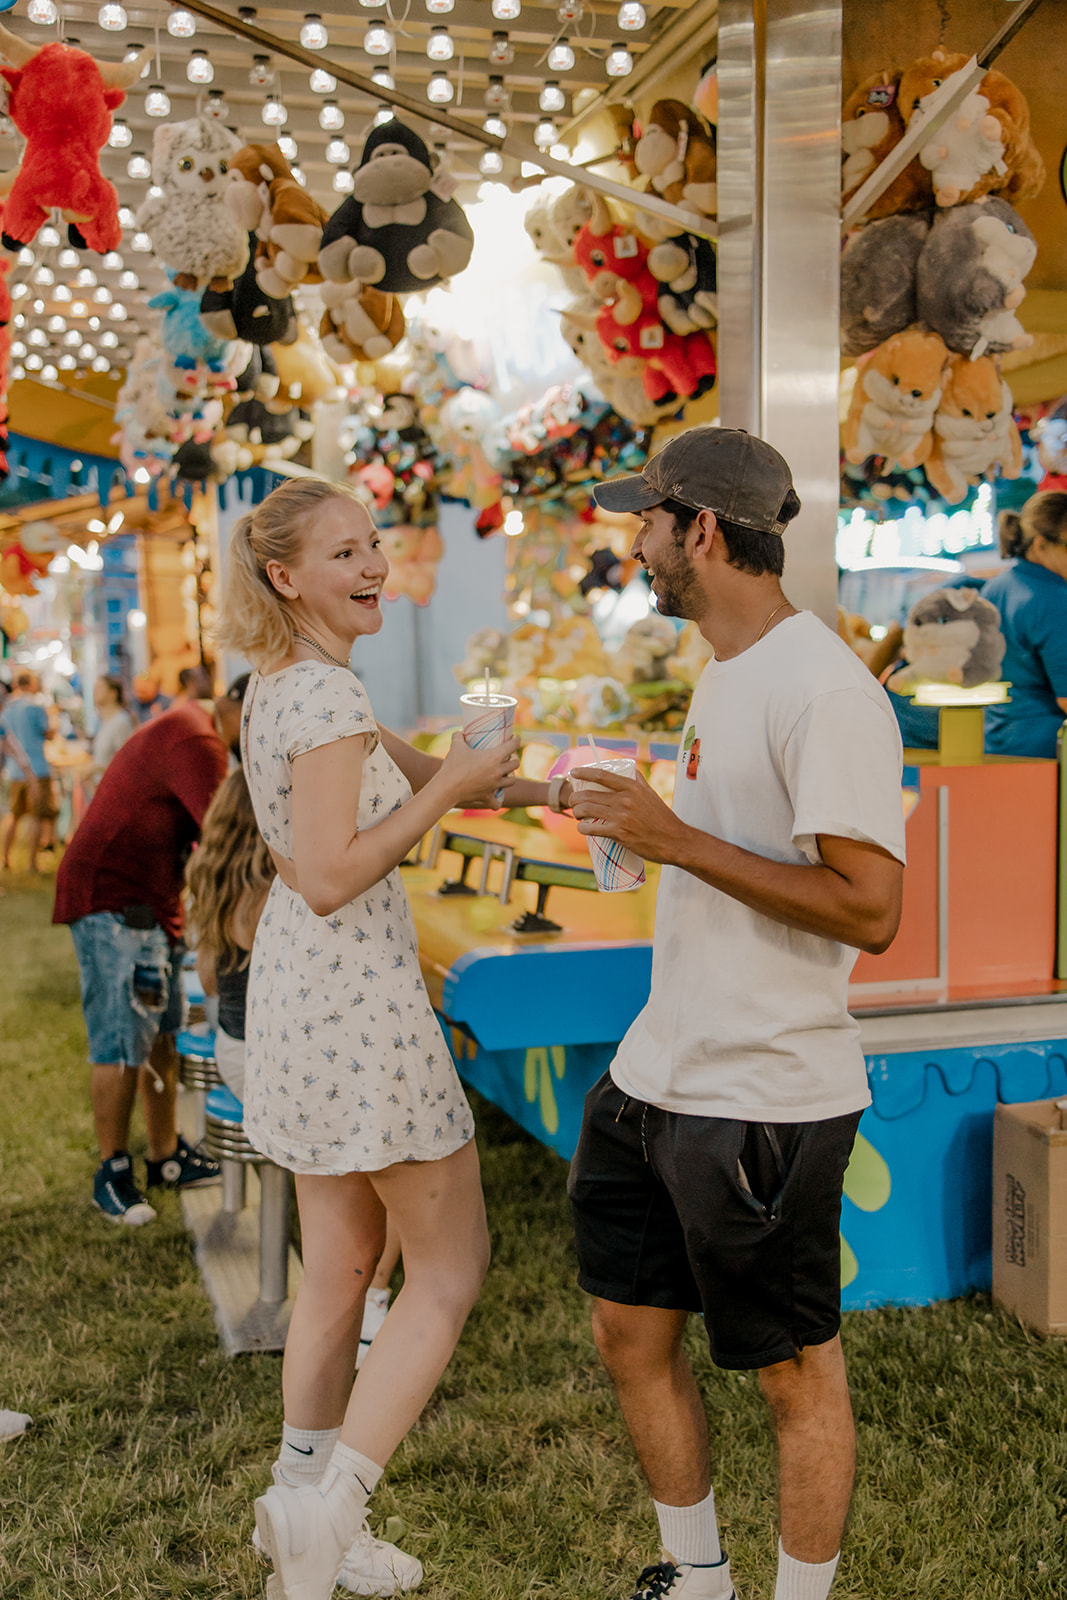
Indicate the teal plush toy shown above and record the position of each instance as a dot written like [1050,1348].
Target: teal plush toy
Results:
[185,339]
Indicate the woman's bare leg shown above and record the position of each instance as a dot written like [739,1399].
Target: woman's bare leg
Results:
[342,1228]
[383,1277]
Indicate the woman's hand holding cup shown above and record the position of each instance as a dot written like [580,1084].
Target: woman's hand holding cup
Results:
[474,777]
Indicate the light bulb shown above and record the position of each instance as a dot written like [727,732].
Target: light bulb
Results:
[322,82]
[94,323]
[120,137]
[68,362]
[126,220]
[570,10]
[261,73]
[45,277]
[288,147]
[632,15]
[181,24]
[37,336]
[497,96]
[439,91]
[313,35]
[42,12]
[18,349]
[490,163]
[377,41]
[57,324]
[26,257]
[552,97]
[496,125]
[17,373]
[109,340]
[337,153]
[112,16]
[157,101]
[561,57]
[331,117]
[19,291]
[545,134]
[49,373]
[383,115]
[274,112]
[102,295]
[79,309]
[101,364]
[199,68]
[155,192]
[139,166]
[34,363]
[216,107]
[87,352]
[141,241]
[371,5]
[439,8]
[382,78]
[343,182]
[620,62]
[506,10]
[19,320]
[439,46]
[72,338]
[62,293]
[501,50]
[38,307]
[299,176]
[129,280]
[48,236]
[118,312]
[113,261]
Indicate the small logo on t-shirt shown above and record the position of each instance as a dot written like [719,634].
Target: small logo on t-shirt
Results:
[691,747]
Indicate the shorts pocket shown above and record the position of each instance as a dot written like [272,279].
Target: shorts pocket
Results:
[766,1153]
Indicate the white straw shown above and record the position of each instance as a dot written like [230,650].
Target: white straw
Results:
[593,748]
[487,685]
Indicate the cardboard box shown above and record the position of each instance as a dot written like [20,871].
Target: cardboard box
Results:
[1030,1214]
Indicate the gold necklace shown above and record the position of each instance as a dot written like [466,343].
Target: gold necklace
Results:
[770,619]
[314,644]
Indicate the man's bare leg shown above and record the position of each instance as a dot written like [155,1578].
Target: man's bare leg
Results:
[159,1096]
[112,1090]
[809,1402]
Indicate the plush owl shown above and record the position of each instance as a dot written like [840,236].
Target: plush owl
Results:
[191,227]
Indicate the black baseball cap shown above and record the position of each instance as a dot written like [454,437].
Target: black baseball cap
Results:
[726,470]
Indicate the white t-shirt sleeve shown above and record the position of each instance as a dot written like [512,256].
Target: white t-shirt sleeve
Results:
[843,771]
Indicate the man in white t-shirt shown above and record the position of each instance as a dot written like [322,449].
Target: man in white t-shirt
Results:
[708,1175]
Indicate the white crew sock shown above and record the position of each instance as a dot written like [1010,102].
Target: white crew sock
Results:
[803,1580]
[358,1469]
[690,1534]
[305,1453]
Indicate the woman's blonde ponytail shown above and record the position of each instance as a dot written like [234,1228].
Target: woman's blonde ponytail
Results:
[1043,515]
[1010,534]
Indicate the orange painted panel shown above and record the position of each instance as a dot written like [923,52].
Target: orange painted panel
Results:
[913,953]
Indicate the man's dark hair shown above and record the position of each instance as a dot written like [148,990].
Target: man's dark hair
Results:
[746,548]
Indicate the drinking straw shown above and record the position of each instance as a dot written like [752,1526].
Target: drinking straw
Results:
[487,685]
[593,748]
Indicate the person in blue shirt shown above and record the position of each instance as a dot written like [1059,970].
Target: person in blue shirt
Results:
[1031,596]
[24,724]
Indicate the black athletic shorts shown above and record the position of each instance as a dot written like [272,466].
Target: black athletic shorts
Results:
[738,1220]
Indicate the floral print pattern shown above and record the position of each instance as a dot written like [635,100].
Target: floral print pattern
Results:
[347,1068]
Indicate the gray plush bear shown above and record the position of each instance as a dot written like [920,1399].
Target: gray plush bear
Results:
[970,276]
[878,270]
[951,636]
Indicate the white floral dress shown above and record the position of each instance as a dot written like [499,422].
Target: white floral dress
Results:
[347,1068]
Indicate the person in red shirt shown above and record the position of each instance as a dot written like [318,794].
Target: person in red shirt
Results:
[119,888]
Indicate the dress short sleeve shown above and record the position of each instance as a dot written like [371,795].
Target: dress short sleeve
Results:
[328,704]
[843,770]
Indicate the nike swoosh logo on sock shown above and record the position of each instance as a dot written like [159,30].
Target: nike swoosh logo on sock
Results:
[310,1451]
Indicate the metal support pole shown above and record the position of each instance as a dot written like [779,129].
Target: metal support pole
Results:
[233,1186]
[742,28]
[274,1193]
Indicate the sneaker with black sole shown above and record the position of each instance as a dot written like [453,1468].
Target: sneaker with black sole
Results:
[187,1168]
[116,1194]
[667,1581]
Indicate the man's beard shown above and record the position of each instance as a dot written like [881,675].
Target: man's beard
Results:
[676,590]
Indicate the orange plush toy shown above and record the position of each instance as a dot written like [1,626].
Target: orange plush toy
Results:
[413,555]
[266,200]
[974,429]
[897,393]
[871,126]
[985,147]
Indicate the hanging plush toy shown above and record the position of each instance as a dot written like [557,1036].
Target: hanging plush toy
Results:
[871,125]
[413,555]
[897,392]
[185,338]
[1050,436]
[969,278]
[951,636]
[974,430]
[399,229]
[676,153]
[61,100]
[245,312]
[305,372]
[266,200]
[191,227]
[359,328]
[985,147]
[878,268]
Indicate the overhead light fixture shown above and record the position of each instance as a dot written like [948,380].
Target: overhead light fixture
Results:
[37,336]
[383,78]
[545,134]
[322,82]
[501,50]
[129,280]
[440,8]
[87,352]
[216,107]
[181,24]
[439,90]
[109,340]
[102,296]
[94,323]
[570,10]
[101,364]
[439,46]
[67,363]
[377,41]
[337,153]
[371,5]
[497,126]
[112,16]
[383,115]
[19,320]
[506,10]
[343,182]
[18,349]
[45,277]
[121,135]
[43,12]
[142,242]
[199,68]
[49,373]
[139,166]
[490,163]
[34,363]
[552,97]
[113,261]
[79,309]
[118,312]
[72,337]
[57,325]
[126,220]
[38,307]
[298,174]
[632,15]
[331,117]
[288,146]
[19,291]
[157,101]
[62,293]
[274,112]
[620,62]
[26,257]
[561,57]
[313,35]
[48,236]
[497,96]
[261,73]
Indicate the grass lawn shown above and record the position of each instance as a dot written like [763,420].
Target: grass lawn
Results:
[148,1446]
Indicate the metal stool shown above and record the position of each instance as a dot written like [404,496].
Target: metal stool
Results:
[197,1071]
[226,1141]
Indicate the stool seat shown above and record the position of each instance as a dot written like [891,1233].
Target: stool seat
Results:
[223,1104]
[199,1046]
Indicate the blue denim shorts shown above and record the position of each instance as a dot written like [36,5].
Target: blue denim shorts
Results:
[130,987]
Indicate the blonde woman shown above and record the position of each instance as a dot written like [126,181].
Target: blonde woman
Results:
[349,1082]
[229,877]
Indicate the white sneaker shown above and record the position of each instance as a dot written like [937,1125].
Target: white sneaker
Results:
[371,1566]
[375,1308]
[298,1533]
[665,1581]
